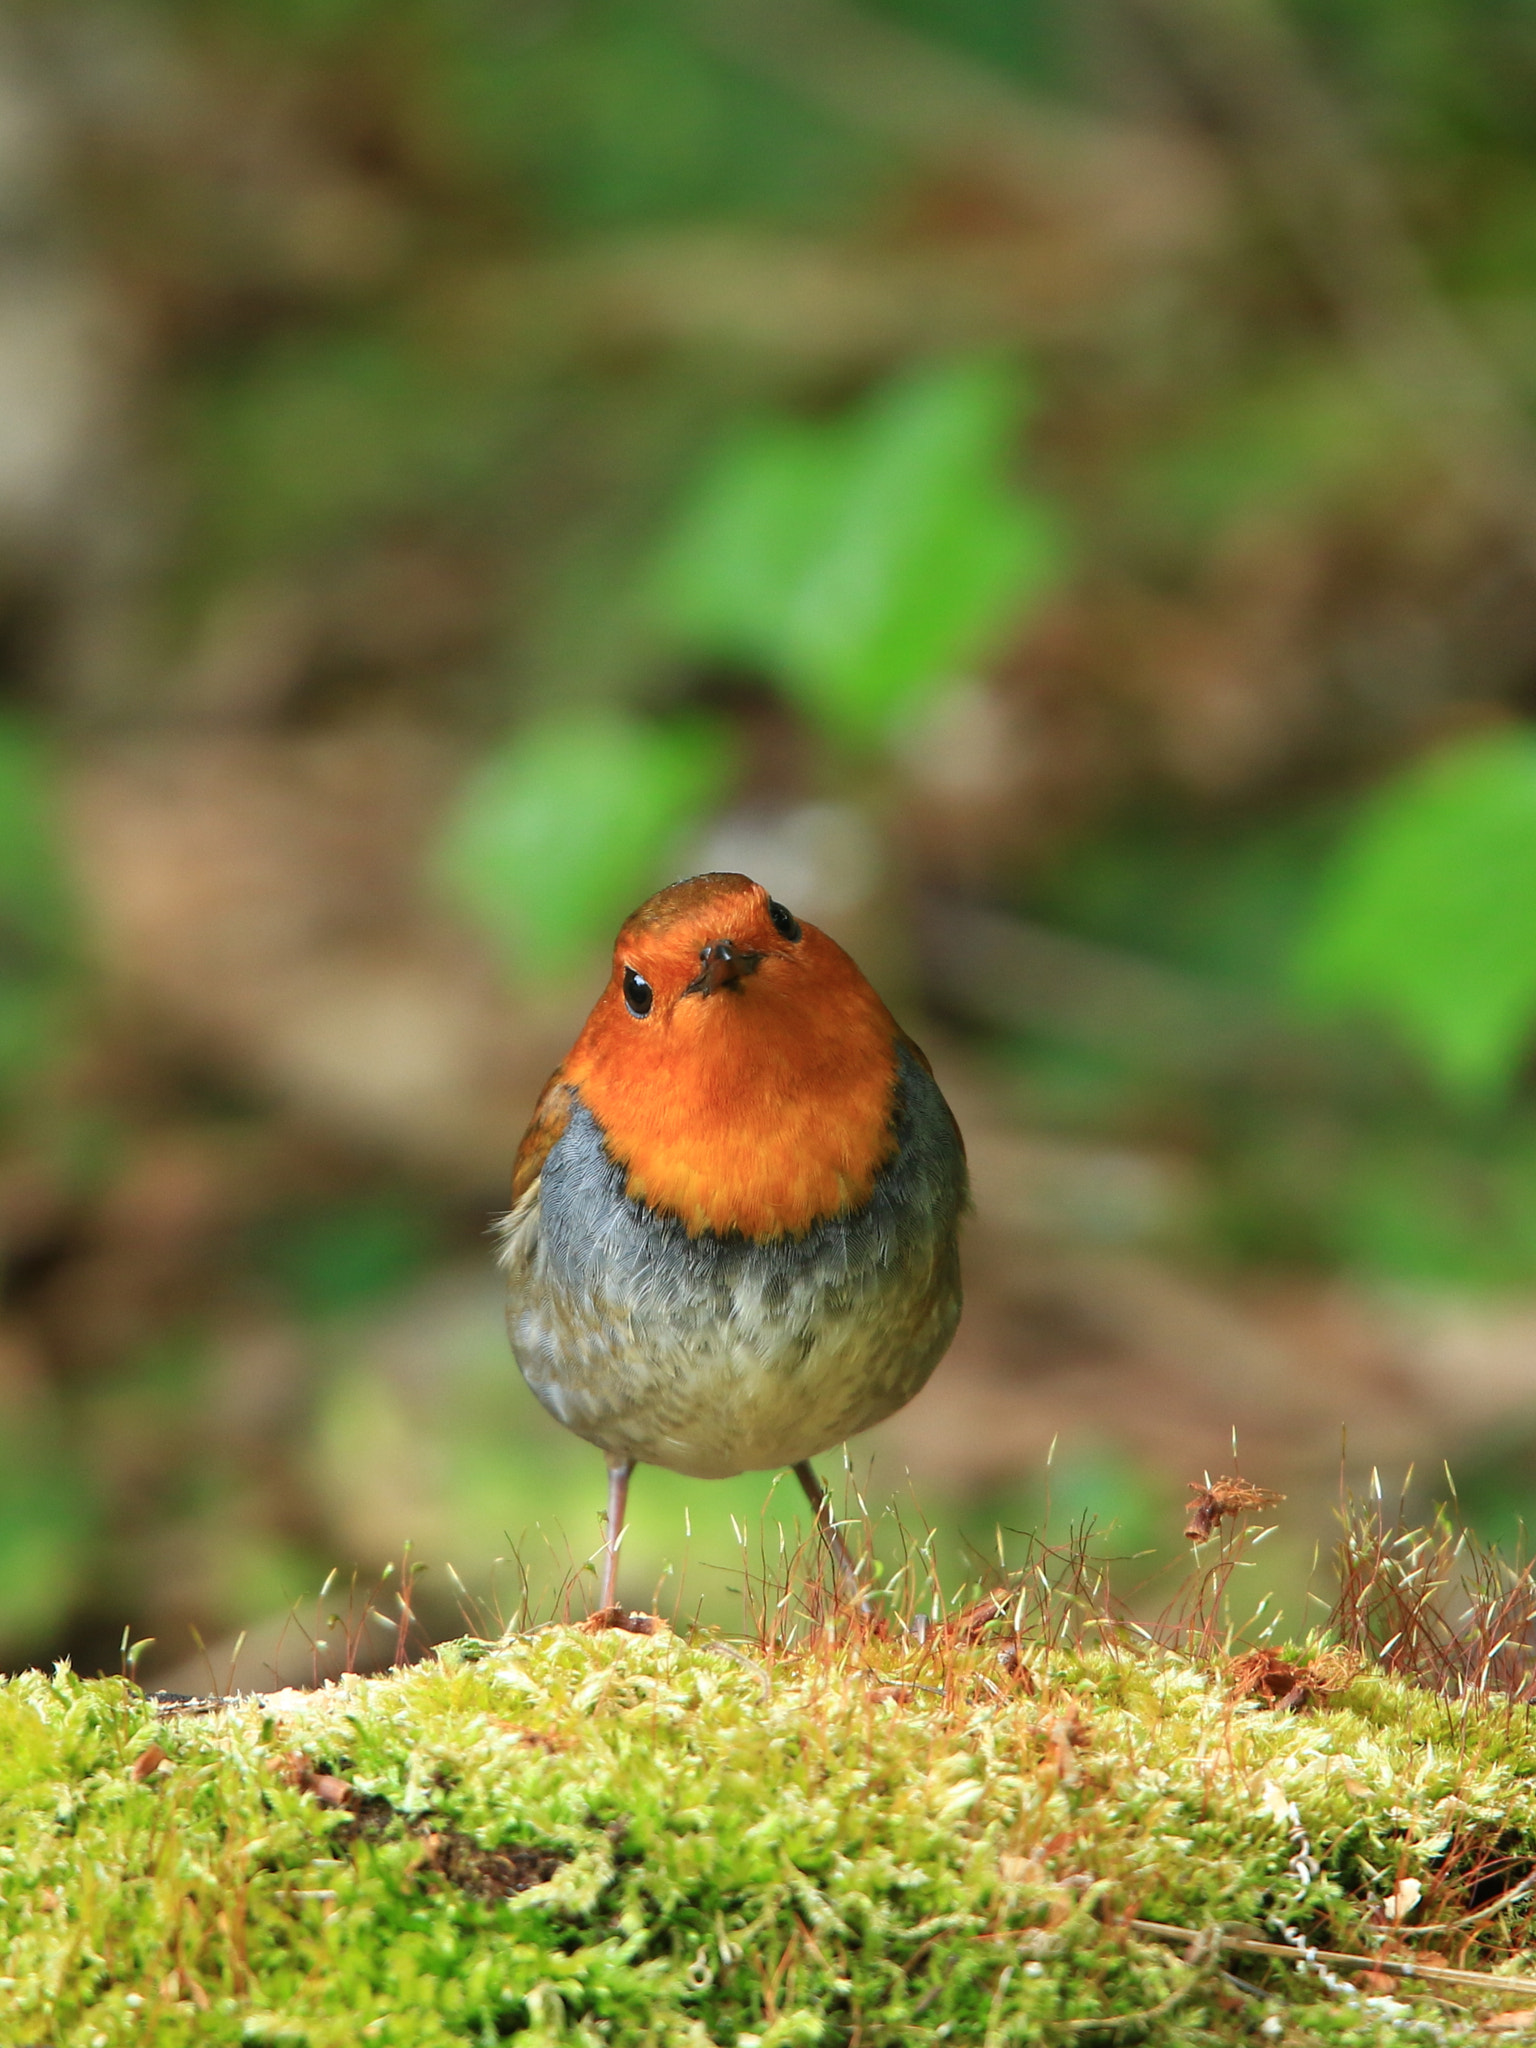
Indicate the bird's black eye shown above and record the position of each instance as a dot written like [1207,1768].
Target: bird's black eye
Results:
[783,921]
[638,993]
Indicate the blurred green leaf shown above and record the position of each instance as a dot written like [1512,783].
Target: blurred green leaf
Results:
[1427,914]
[1221,897]
[37,925]
[43,1522]
[1038,45]
[35,1019]
[865,562]
[335,1260]
[1417,1211]
[568,824]
[615,113]
[747,541]
[34,895]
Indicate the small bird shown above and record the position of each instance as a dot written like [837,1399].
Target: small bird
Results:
[734,1230]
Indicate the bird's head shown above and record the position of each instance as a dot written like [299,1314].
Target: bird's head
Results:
[740,1066]
[710,937]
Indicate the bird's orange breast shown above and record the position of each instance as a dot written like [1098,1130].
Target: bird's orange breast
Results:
[754,1111]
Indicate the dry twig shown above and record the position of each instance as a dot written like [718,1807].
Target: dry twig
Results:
[1391,1966]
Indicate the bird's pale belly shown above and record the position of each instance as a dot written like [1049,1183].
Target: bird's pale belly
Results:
[776,1375]
[716,1355]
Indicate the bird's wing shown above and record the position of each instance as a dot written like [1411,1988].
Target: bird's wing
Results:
[551,1115]
[912,1046]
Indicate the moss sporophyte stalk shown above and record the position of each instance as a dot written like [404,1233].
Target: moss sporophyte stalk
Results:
[616,1837]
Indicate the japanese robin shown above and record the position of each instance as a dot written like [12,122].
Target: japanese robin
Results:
[733,1235]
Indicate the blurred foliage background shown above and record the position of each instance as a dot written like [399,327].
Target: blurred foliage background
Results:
[1049,486]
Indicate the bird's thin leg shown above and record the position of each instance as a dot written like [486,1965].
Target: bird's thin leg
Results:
[618,1494]
[821,1508]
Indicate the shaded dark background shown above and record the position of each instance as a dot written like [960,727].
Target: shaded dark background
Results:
[423,424]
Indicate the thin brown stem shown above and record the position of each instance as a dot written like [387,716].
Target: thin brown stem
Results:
[1336,1959]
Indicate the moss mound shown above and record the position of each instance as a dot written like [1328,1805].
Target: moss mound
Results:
[629,1838]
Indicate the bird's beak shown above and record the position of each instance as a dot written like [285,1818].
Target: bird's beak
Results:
[722,965]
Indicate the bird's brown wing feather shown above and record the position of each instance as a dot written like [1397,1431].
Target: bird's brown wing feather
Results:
[551,1115]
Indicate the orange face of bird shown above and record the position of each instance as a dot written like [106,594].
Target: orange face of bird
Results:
[738,1063]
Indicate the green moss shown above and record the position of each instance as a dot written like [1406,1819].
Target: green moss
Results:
[640,1839]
